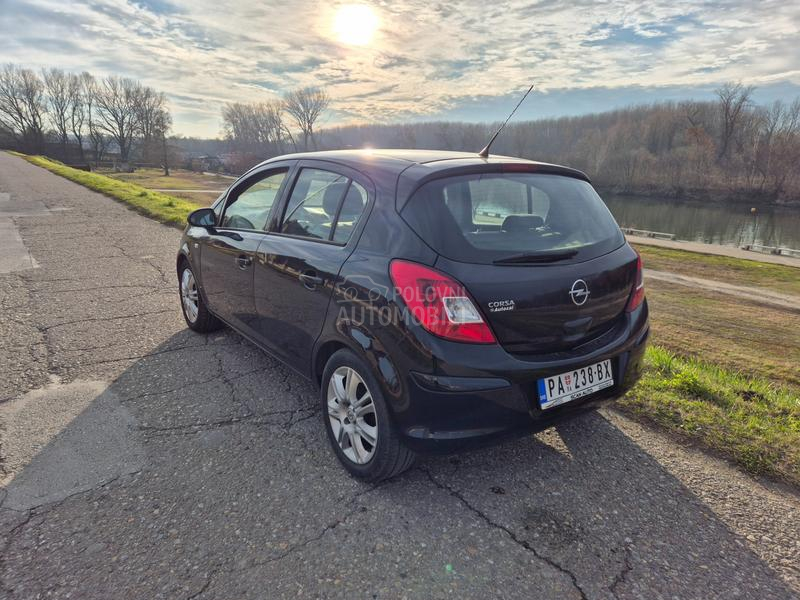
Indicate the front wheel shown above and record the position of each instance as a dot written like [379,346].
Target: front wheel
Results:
[357,420]
[195,311]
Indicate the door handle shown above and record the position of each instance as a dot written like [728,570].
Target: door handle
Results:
[244,261]
[310,279]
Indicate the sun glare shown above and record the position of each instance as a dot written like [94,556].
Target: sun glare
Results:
[355,24]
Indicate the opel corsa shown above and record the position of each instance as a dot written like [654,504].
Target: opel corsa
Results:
[439,300]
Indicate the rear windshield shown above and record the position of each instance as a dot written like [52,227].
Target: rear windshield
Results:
[487,217]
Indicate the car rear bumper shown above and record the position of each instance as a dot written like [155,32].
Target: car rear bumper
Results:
[495,396]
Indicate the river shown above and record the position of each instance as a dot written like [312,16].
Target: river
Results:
[726,224]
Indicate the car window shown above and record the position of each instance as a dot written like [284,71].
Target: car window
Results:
[250,209]
[352,208]
[486,217]
[314,203]
[218,205]
[495,199]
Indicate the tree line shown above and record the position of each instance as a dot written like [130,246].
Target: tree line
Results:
[65,114]
[257,130]
[729,148]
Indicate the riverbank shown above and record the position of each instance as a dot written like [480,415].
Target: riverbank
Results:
[708,223]
[714,250]
[744,198]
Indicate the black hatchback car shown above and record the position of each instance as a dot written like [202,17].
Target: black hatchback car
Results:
[438,299]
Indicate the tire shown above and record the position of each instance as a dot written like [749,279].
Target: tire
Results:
[194,309]
[358,422]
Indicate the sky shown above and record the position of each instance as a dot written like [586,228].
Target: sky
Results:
[414,60]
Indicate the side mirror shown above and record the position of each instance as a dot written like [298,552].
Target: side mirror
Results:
[202,217]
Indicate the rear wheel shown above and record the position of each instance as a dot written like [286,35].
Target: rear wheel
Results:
[357,420]
[195,312]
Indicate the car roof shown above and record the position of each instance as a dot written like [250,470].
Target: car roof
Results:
[397,161]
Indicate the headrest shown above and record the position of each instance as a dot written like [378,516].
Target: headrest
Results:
[522,222]
[330,200]
[353,205]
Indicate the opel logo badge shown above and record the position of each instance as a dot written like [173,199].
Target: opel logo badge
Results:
[579,292]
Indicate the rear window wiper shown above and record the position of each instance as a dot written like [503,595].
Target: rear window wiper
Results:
[536,257]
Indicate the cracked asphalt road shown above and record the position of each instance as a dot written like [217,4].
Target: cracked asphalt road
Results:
[140,460]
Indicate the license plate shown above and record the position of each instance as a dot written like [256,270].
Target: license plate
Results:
[575,384]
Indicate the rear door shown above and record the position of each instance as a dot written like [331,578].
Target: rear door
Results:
[228,251]
[298,262]
[541,255]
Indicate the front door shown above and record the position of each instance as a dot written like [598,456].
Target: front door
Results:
[298,263]
[229,250]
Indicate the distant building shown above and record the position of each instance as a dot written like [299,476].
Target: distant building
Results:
[207,163]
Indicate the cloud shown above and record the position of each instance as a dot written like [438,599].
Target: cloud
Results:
[429,58]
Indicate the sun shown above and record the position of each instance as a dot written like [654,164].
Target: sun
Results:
[355,24]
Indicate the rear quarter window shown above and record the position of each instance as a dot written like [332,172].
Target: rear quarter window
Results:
[490,216]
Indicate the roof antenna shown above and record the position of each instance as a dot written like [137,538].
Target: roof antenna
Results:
[485,152]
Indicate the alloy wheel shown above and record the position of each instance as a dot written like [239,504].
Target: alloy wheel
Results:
[352,416]
[189,295]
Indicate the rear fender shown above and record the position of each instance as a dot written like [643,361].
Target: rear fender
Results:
[360,341]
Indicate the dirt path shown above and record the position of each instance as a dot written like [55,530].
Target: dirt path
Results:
[754,294]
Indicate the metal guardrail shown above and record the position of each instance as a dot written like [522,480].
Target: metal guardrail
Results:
[651,234]
[778,250]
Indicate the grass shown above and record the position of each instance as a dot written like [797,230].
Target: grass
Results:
[181,180]
[751,420]
[723,373]
[161,207]
[741,335]
[738,271]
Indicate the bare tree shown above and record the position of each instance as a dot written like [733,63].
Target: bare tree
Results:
[97,137]
[256,128]
[77,110]
[150,115]
[118,113]
[445,133]
[734,99]
[22,106]
[161,124]
[56,83]
[406,136]
[305,106]
[274,126]
[779,146]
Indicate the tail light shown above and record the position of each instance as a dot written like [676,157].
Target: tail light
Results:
[637,295]
[440,303]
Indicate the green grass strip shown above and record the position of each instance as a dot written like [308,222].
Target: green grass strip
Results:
[751,420]
[162,207]
[741,271]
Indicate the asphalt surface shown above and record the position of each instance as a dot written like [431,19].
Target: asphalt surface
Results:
[140,460]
